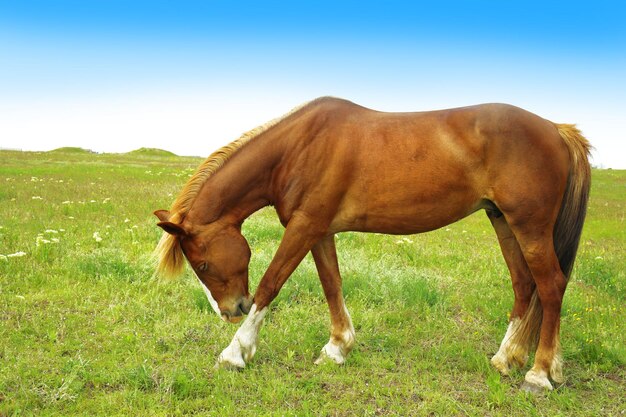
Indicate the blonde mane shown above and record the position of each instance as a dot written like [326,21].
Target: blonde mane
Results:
[168,253]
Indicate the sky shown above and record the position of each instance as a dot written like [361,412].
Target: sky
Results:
[191,76]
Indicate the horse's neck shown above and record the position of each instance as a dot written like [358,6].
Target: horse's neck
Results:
[239,188]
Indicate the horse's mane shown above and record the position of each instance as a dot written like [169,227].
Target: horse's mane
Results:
[170,258]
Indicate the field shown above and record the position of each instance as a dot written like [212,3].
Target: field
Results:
[85,328]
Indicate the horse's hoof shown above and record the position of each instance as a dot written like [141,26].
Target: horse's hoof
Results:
[331,353]
[534,389]
[536,383]
[500,364]
[324,358]
[231,358]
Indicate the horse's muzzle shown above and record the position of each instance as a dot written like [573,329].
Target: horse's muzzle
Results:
[237,313]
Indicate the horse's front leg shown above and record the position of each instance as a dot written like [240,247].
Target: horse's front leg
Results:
[342,331]
[301,233]
[243,346]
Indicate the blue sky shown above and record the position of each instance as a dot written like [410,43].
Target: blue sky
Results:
[190,76]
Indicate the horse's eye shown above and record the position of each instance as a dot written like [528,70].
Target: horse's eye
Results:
[202,267]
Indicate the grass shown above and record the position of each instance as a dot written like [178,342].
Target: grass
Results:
[86,330]
[71,149]
[151,152]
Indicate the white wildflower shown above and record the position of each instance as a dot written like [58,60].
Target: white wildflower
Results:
[36,197]
[41,240]
[106,200]
[92,201]
[21,297]
[97,237]
[51,231]
[55,240]
[403,241]
[67,202]
[70,217]
[62,230]
[126,220]
[16,254]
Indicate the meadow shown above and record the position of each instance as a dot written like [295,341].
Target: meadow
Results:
[86,329]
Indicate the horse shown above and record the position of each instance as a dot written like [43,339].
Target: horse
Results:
[331,166]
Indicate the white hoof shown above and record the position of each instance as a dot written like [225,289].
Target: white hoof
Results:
[234,356]
[500,362]
[337,348]
[536,382]
[331,352]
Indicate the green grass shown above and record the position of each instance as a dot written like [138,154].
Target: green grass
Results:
[86,330]
[71,149]
[150,152]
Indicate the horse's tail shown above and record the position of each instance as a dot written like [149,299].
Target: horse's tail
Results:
[569,223]
[568,226]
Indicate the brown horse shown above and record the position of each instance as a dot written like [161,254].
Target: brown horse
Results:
[332,166]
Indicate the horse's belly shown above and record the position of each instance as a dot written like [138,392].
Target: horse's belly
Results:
[407,211]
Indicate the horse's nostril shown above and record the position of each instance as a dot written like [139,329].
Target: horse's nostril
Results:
[245,305]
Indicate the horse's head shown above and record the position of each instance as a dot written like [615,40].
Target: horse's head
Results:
[219,255]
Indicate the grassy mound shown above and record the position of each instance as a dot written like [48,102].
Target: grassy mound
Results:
[151,152]
[71,149]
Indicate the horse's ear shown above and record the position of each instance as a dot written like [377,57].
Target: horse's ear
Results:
[167,225]
[163,215]
[173,228]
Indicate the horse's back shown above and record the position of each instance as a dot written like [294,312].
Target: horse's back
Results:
[414,172]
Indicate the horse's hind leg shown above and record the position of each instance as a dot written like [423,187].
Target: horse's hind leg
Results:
[342,331]
[538,249]
[517,340]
